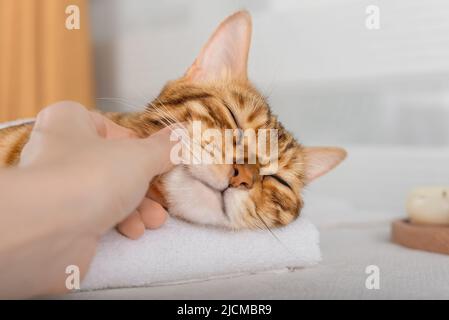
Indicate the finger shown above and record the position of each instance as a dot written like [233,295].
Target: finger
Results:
[159,148]
[152,213]
[132,227]
[108,129]
[65,117]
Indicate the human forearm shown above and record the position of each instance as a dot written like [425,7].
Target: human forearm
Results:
[42,220]
[32,199]
[79,175]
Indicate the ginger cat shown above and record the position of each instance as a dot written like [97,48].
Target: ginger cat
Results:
[216,91]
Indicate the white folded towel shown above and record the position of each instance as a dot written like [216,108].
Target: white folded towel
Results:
[181,252]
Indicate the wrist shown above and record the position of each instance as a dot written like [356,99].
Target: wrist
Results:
[55,197]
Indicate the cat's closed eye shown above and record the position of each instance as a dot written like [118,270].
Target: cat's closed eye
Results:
[280,180]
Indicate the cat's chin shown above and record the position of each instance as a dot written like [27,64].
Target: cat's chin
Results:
[196,201]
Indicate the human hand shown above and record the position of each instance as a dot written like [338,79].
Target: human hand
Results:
[79,175]
[115,164]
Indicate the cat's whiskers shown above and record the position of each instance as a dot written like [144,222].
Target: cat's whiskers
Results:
[194,140]
[269,229]
[166,116]
[125,102]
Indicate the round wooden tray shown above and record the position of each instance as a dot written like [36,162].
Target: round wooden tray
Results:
[421,237]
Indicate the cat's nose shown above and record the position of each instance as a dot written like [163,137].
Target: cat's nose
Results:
[244,175]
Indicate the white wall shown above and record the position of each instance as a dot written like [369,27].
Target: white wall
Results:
[329,78]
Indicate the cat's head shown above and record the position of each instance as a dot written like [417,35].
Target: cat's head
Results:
[216,91]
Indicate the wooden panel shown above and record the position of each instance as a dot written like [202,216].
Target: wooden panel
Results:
[41,61]
[420,237]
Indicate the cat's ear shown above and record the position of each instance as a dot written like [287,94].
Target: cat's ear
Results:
[320,160]
[225,55]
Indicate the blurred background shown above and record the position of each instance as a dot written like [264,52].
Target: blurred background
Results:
[42,60]
[327,75]
[382,93]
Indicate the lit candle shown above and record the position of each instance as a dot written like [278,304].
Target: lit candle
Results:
[429,205]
